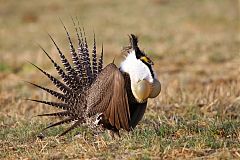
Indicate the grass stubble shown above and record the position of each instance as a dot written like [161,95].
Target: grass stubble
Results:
[196,55]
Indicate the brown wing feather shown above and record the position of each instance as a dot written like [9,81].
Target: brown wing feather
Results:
[116,119]
[108,95]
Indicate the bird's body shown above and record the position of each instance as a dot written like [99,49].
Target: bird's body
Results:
[116,97]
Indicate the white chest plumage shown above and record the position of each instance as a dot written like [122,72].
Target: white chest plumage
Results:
[136,68]
[143,84]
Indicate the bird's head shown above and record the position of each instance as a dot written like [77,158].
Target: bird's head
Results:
[139,66]
[138,53]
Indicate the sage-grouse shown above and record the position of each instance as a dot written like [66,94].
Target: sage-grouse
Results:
[116,98]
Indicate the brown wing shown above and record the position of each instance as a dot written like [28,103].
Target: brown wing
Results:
[108,95]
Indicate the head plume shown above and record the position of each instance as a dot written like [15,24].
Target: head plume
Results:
[133,41]
[133,46]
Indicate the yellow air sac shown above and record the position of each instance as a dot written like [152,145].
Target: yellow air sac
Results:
[156,89]
[141,90]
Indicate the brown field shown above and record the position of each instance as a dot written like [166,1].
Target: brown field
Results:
[196,49]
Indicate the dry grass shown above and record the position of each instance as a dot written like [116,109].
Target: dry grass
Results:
[195,47]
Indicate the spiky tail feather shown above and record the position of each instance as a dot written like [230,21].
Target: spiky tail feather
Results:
[76,79]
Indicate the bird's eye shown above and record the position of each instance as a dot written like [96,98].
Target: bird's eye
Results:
[147,60]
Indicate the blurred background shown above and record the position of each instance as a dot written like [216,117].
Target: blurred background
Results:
[194,44]
[205,30]
[190,41]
